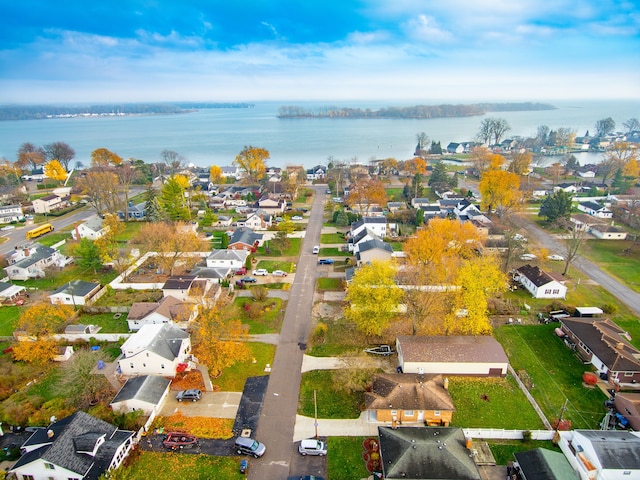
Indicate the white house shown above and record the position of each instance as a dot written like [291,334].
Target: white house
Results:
[33,262]
[231,259]
[231,172]
[144,393]
[452,355]
[587,174]
[10,292]
[155,350]
[186,288]
[79,446]
[363,236]
[76,292]
[608,232]
[316,173]
[168,310]
[10,213]
[272,205]
[49,203]
[373,250]
[539,283]
[566,187]
[420,202]
[92,228]
[259,220]
[602,454]
[378,225]
[595,209]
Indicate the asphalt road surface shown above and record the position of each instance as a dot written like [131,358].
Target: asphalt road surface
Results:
[277,420]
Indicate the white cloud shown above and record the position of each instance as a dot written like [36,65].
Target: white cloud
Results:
[425,28]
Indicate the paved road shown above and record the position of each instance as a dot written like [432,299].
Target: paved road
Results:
[277,420]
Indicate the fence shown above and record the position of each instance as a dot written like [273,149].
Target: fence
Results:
[101,337]
[94,309]
[501,434]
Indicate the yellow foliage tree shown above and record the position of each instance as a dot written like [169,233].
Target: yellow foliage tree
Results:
[102,158]
[500,191]
[415,165]
[365,193]
[54,169]
[251,160]
[181,180]
[373,297]
[215,174]
[219,340]
[39,351]
[520,163]
[107,243]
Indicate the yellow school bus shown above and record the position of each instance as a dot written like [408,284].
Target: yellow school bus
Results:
[38,231]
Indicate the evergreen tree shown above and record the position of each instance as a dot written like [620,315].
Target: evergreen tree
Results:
[173,201]
[87,255]
[436,148]
[152,206]
[556,206]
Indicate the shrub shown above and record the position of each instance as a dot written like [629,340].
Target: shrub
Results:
[526,436]
[320,332]
[610,308]
[589,378]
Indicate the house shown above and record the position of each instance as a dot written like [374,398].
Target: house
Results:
[229,259]
[168,310]
[10,292]
[595,209]
[79,446]
[584,222]
[272,205]
[144,393]
[628,405]
[155,350]
[32,262]
[259,220]
[467,211]
[479,356]
[75,292]
[225,220]
[244,239]
[539,283]
[80,329]
[602,454]
[364,235]
[377,225]
[428,453]
[373,250]
[49,203]
[396,206]
[606,346]
[134,212]
[543,464]
[11,213]
[36,174]
[608,232]
[92,228]
[587,174]
[566,187]
[316,173]
[231,172]
[410,398]
[186,288]
[455,148]
[420,202]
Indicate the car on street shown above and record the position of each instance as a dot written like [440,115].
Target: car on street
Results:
[279,273]
[7,227]
[261,272]
[556,258]
[248,279]
[304,477]
[528,256]
[325,261]
[316,250]
[312,446]
[249,446]
[296,217]
[190,395]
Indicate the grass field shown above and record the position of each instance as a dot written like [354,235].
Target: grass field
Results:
[272,265]
[295,244]
[620,259]
[332,403]
[555,372]
[332,238]
[325,284]
[269,319]
[107,321]
[233,378]
[503,450]
[56,278]
[8,320]
[344,458]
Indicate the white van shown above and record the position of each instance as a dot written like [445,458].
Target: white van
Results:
[316,250]
[312,447]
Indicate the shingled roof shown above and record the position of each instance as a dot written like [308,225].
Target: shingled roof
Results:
[146,388]
[544,464]
[537,276]
[455,348]
[408,391]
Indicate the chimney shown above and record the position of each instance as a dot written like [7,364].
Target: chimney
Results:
[50,433]
[620,346]
[446,383]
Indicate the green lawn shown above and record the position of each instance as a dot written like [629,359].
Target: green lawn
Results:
[269,319]
[332,403]
[107,321]
[8,320]
[618,258]
[56,278]
[332,238]
[555,372]
[233,378]
[395,194]
[150,465]
[53,238]
[503,450]
[325,283]
[295,244]
[341,337]
[498,411]
[344,458]
[131,229]
[272,265]
[126,298]
[334,252]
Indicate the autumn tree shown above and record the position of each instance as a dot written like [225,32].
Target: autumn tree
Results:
[127,175]
[107,243]
[373,297]
[54,170]
[617,156]
[252,161]
[520,162]
[60,151]
[480,159]
[102,159]
[631,125]
[78,382]
[415,165]
[219,338]
[573,242]
[492,130]
[215,174]
[499,190]
[365,193]
[564,137]
[101,190]
[173,243]
[30,156]
[173,200]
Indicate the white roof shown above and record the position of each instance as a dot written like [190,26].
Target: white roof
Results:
[589,311]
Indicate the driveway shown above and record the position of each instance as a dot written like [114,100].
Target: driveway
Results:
[212,404]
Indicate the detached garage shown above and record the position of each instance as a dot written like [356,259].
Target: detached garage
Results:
[480,356]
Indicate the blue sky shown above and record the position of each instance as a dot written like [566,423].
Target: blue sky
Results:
[251,50]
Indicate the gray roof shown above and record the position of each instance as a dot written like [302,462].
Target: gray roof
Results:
[147,388]
[222,254]
[168,342]
[79,430]
[40,254]
[365,220]
[211,272]
[375,243]
[94,222]
[616,450]
[454,348]
[77,288]
[245,235]
[169,307]
[593,206]
[544,464]
[426,453]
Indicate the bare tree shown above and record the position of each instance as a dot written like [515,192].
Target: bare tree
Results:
[30,156]
[632,124]
[173,160]
[605,126]
[573,243]
[60,151]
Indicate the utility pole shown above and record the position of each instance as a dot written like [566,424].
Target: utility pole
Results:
[315,414]
[562,410]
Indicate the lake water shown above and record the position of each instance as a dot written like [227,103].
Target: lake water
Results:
[216,136]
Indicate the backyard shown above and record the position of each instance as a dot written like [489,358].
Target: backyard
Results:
[620,259]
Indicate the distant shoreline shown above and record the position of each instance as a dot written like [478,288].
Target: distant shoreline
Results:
[415,112]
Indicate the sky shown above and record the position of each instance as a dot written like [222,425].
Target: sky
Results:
[69,51]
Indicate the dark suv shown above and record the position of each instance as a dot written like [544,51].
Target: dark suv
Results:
[192,394]
[249,446]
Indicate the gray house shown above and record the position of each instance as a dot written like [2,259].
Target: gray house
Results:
[142,393]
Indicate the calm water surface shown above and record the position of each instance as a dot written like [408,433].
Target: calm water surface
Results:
[215,136]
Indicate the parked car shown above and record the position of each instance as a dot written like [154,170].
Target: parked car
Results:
[279,273]
[316,250]
[557,258]
[249,446]
[261,272]
[312,446]
[296,217]
[528,256]
[304,477]
[193,394]
[248,279]
[241,271]
[7,227]
[325,261]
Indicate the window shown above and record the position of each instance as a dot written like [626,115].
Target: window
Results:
[49,466]
[131,365]
[547,291]
[436,413]
[408,413]
[144,364]
[394,412]
[628,374]
[162,365]
[556,291]
[27,477]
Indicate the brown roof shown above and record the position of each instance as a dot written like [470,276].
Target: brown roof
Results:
[168,307]
[452,349]
[179,283]
[408,391]
[537,276]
